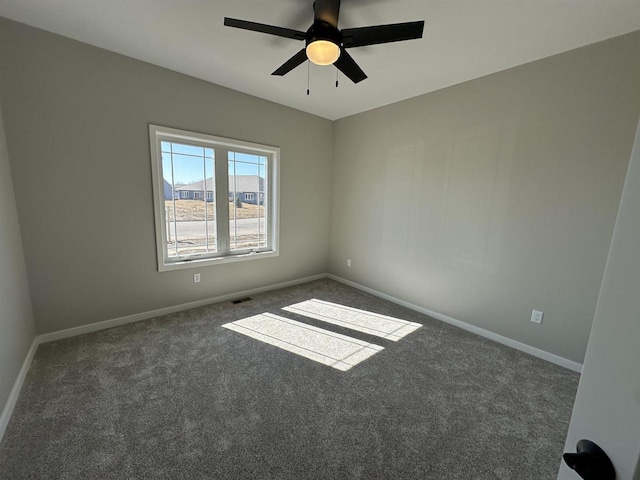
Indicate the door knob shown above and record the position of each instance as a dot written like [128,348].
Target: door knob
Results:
[590,462]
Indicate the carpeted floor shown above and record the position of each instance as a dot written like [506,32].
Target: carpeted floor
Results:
[181,397]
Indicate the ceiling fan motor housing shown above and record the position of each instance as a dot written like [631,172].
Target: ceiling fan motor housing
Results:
[323,31]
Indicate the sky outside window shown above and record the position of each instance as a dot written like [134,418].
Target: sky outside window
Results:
[187,163]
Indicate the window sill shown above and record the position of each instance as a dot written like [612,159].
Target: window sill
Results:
[206,262]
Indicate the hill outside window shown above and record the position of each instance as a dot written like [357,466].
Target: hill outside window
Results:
[215,199]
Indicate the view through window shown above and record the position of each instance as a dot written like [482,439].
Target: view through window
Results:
[248,179]
[189,221]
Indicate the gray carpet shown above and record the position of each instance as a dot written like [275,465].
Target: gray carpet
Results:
[181,397]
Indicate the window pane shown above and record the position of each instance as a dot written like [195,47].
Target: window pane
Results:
[188,149]
[188,172]
[247,201]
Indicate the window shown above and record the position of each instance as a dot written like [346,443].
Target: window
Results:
[221,229]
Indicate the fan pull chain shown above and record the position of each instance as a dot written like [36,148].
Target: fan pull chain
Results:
[308,77]
[337,71]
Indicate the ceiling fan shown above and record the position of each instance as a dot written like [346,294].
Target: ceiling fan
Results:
[325,44]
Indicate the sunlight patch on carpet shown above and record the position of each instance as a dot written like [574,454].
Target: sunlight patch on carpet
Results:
[329,348]
[389,328]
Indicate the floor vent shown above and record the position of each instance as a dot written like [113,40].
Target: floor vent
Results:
[241,300]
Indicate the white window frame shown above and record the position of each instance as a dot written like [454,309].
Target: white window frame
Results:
[249,196]
[159,133]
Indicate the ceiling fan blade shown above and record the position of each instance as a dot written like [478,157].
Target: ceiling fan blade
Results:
[347,65]
[327,11]
[262,28]
[292,63]
[395,32]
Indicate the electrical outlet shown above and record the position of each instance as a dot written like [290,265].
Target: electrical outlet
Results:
[348,262]
[196,278]
[536,316]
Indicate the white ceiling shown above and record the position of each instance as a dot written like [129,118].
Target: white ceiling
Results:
[463,39]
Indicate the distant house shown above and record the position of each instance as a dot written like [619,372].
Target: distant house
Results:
[168,191]
[249,188]
[195,191]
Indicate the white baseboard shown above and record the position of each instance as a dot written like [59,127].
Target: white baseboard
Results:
[536,352]
[17,386]
[115,322]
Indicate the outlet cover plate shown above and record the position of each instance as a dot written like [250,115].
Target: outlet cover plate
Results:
[536,316]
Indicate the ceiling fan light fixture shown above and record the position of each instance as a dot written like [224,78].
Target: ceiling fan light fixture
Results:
[323,52]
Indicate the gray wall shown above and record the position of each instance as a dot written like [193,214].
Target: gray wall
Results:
[607,408]
[16,318]
[77,131]
[491,198]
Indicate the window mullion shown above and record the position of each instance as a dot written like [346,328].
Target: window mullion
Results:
[204,198]
[222,198]
[173,186]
